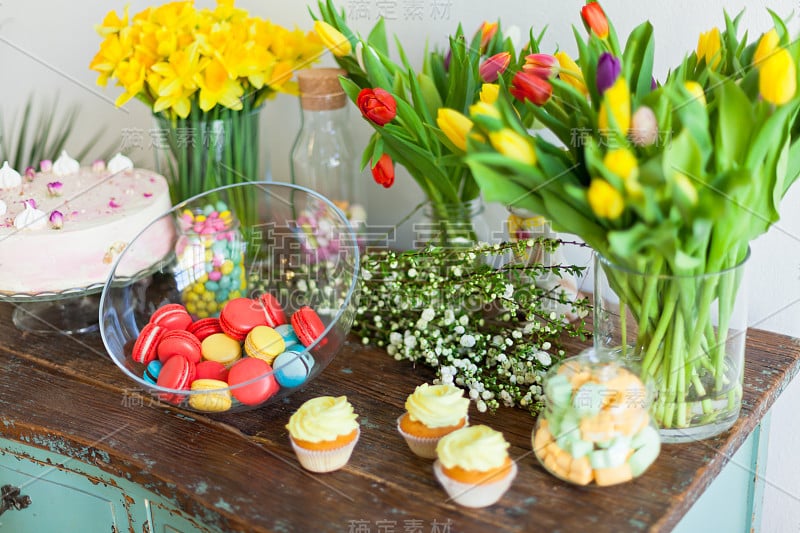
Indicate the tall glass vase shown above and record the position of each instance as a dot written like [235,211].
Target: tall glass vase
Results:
[687,333]
[458,225]
[207,150]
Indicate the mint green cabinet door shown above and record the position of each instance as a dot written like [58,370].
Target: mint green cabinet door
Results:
[164,519]
[61,500]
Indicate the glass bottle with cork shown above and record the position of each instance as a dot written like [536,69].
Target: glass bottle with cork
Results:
[323,158]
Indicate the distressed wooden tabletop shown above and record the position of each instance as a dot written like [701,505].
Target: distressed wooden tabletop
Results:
[238,472]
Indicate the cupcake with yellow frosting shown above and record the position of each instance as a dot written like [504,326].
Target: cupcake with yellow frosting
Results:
[473,466]
[323,432]
[432,411]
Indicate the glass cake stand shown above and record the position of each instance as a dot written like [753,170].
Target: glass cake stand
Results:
[71,311]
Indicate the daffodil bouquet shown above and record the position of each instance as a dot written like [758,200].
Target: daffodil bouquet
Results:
[420,116]
[667,182]
[205,74]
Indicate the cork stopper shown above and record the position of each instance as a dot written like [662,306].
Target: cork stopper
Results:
[320,89]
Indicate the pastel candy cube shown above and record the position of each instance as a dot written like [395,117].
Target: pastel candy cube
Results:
[644,457]
[588,399]
[612,476]
[599,459]
[647,436]
[559,390]
[580,448]
[618,451]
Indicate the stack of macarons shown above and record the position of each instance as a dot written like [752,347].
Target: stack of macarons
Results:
[221,360]
[596,426]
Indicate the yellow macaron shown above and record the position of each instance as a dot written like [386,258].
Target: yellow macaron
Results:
[211,402]
[221,348]
[263,342]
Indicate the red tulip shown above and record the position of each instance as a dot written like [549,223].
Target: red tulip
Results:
[595,19]
[377,105]
[494,66]
[541,65]
[383,171]
[526,86]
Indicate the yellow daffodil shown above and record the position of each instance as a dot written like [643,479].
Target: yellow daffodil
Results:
[112,23]
[455,126]
[617,101]
[623,163]
[513,145]
[766,46]
[709,48]
[571,72]
[489,93]
[333,39]
[604,200]
[777,77]
[696,90]
[178,57]
[217,87]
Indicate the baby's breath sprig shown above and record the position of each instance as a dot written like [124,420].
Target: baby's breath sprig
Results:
[492,331]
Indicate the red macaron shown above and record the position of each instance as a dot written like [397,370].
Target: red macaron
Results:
[307,326]
[247,369]
[211,370]
[273,310]
[171,316]
[177,373]
[239,316]
[179,342]
[146,345]
[205,327]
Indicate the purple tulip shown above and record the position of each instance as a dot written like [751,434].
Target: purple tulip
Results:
[608,68]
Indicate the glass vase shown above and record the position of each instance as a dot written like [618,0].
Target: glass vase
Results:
[207,150]
[687,333]
[459,225]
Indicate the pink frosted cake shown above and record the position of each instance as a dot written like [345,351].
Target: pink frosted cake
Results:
[64,227]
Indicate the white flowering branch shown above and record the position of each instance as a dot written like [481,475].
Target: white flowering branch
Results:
[493,331]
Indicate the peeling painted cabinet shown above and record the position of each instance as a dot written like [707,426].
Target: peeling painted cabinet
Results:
[69,494]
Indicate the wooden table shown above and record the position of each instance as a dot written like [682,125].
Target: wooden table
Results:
[238,472]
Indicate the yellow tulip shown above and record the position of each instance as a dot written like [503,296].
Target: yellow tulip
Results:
[332,38]
[455,126]
[696,90]
[605,200]
[766,46]
[571,72]
[777,77]
[482,108]
[489,92]
[709,48]
[623,163]
[617,101]
[513,145]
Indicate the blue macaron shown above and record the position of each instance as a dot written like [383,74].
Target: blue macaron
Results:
[152,371]
[291,368]
[289,336]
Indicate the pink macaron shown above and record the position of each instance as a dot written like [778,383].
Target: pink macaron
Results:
[247,369]
[145,349]
[171,316]
[177,373]
[307,326]
[239,316]
[273,310]
[179,342]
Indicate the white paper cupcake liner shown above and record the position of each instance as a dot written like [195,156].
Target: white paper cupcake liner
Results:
[471,494]
[423,447]
[321,461]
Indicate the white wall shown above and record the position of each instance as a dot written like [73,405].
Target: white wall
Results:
[45,48]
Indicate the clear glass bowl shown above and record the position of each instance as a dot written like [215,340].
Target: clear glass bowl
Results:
[289,241]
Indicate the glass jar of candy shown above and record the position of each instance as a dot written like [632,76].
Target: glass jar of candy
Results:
[596,426]
[210,252]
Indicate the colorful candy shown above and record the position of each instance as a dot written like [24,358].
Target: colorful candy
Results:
[596,425]
[210,250]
